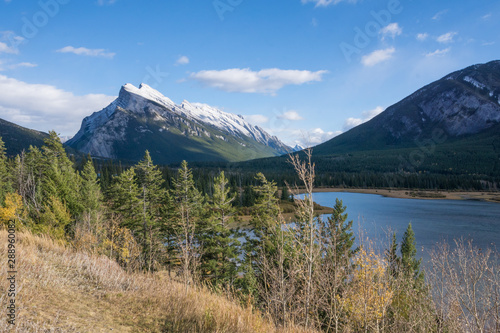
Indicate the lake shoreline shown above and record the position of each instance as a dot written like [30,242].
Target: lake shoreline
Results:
[419,194]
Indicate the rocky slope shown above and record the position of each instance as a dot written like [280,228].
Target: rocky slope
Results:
[142,118]
[460,105]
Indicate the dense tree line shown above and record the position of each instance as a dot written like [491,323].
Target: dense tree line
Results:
[307,273]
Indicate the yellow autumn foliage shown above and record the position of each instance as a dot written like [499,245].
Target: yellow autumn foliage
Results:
[12,209]
[369,294]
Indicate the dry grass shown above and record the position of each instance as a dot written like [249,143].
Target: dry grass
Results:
[61,290]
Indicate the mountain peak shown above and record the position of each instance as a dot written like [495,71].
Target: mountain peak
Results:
[143,118]
[461,104]
[148,93]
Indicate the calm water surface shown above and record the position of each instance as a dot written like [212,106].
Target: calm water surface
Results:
[432,220]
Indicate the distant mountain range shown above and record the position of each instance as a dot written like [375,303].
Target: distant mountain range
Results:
[460,105]
[451,126]
[142,118]
[448,132]
[18,138]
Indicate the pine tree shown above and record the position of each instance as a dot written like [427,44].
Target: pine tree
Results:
[220,243]
[392,258]
[285,194]
[339,233]
[150,183]
[59,180]
[410,265]
[90,191]
[189,206]
[124,194]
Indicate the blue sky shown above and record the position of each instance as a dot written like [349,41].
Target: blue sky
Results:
[305,70]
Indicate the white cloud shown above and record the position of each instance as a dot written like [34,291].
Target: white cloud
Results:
[487,16]
[377,56]
[45,107]
[324,3]
[87,52]
[392,30]
[317,136]
[256,119]
[9,42]
[422,37]
[290,115]
[266,81]
[22,64]
[447,37]
[439,15]
[4,48]
[438,52]
[183,60]
[365,116]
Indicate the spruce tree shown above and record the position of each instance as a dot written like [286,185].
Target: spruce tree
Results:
[149,181]
[392,258]
[339,232]
[261,242]
[124,195]
[90,191]
[410,265]
[189,207]
[59,178]
[220,243]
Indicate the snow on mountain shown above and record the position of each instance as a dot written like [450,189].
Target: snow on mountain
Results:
[234,124]
[147,93]
[203,113]
[101,129]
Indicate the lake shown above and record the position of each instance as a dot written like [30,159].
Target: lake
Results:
[432,220]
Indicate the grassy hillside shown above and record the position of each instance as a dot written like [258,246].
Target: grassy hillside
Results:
[61,290]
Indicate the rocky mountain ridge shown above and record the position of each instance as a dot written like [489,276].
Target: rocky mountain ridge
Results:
[142,118]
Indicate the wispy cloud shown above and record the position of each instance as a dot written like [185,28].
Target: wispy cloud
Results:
[422,37]
[365,116]
[440,14]
[83,51]
[392,30]
[291,115]
[447,37]
[324,3]
[45,107]
[303,137]
[377,56]
[22,65]
[183,60]
[4,48]
[487,16]
[256,119]
[267,81]
[438,52]
[9,42]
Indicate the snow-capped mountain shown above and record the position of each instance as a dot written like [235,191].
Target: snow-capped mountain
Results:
[297,148]
[143,118]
